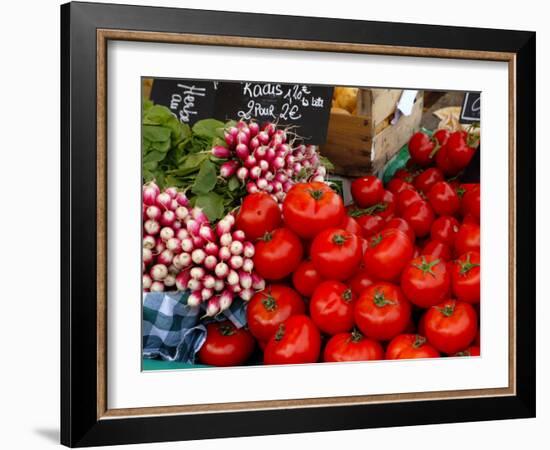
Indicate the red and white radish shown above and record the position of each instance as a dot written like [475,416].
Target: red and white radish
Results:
[150,193]
[159,272]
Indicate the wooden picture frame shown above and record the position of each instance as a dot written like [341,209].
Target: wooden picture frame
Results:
[85,417]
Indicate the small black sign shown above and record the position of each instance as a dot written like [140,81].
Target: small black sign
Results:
[189,100]
[303,106]
[471,108]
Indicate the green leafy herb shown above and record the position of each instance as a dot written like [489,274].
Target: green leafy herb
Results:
[205,179]
[233,183]
[212,205]
[156,133]
[207,128]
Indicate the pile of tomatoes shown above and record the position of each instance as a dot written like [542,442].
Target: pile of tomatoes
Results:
[394,275]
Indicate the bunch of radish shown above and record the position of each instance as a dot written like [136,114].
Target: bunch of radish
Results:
[265,159]
[183,251]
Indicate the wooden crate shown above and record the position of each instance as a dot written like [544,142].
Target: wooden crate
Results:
[361,144]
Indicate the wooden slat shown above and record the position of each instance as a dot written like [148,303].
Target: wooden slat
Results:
[388,142]
[384,102]
[349,144]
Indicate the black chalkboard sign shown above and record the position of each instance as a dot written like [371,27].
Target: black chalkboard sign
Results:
[305,107]
[189,100]
[471,108]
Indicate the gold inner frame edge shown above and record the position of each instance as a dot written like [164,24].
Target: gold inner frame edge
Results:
[103,36]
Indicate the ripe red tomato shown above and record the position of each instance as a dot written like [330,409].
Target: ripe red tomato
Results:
[331,307]
[424,181]
[421,147]
[351,225]
[400,224]
[297,341]
[465,277]
[472,350]
[336,253]
[467,238]
[443,199]
[267,309]
[382,311]
[306,278]
[443,163]
[258,214]
[388,253]
[352,347]
[309,208]
[471,202]
[406,198]
[444,229]
[370,224]
[396,185]
[437,249]
[277,254]
[420,217]
[226,345]
[367,191]
[451,326]
[461,149]
[359,282]
[409,346]
[442,136]
[426,281]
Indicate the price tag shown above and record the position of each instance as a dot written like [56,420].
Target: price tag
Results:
[471,108]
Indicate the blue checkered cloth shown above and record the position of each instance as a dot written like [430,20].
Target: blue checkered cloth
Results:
[173,331]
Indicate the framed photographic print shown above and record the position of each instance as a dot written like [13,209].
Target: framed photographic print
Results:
[287,224]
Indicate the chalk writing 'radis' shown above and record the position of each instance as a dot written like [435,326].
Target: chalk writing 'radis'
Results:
[295,97]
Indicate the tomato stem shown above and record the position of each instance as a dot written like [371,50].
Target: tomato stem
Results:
[267,236]
[226,330]
[269,302]
[419,341]
[427,267]
[356,336]
[380,299]
[376,240]
[447,310]
[339,239]
[460,191]
[347,295]
[371,210]
[466,266]
[280,332]
[317,194]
